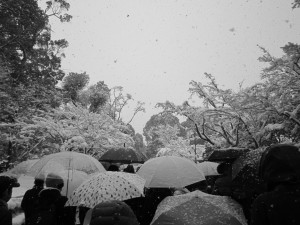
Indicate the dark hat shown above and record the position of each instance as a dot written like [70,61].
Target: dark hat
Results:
[111,213]
[8,182]
[280,163]
[54,181]
[39,181]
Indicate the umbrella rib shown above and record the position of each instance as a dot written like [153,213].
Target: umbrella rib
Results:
[42,167]
[156,170]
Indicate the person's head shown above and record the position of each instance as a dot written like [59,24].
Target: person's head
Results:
[39,182]
[111,213]
[129,169]
[48,196]
[158,194]
[224,168]
[280,164]
[113,167]
[7,183]
[54,181]
[180,191]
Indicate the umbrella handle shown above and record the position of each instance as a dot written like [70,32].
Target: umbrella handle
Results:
[68,177]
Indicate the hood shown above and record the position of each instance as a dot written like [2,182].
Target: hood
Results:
[280,164]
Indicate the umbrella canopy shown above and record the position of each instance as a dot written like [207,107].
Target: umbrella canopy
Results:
[170,172]
[71,178]
[198,208]
[65,161]
[245,172]
[249,161]
[107,186]
[123,155]
[23,167]
[208,168]
[228,155]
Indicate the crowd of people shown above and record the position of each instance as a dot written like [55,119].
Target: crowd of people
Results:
[275,200]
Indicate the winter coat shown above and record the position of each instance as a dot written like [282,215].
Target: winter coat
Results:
[47,212]
[59,208]
[278,207]
[280,170]
[29,202]
[5,214]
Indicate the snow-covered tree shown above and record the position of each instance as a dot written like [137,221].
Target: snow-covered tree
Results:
[75,128]
[251,117]
[173,144]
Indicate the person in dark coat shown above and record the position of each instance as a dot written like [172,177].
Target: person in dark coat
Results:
[129,169]
[153,196]
[280,170]
[111,213]
[29,202]
[223,183]
[55,181]
[7,183]
[46,213]
[113,168]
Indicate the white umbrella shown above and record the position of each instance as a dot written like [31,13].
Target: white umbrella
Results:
[107,186]
[65,161]
[170,172]
[208,168]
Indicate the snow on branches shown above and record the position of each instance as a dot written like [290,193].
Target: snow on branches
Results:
[76,128]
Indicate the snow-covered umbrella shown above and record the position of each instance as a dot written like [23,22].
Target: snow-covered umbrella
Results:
[198,208]
[107,186]
[248,161]
[170,172]
[65,161]
[245,170]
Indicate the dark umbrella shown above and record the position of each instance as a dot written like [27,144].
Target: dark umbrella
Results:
[123,155]
[227,155]
[245,177]
[247,163]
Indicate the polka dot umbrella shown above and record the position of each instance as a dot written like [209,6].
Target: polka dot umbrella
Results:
[107,186]
[198,208]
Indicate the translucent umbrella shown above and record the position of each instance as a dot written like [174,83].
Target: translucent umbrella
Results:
[198,208]
[65,161]
[23,167]
[209,168]
[107,186]
[72,179]
[170,172]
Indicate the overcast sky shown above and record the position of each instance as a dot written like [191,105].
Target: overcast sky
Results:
[154,48]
